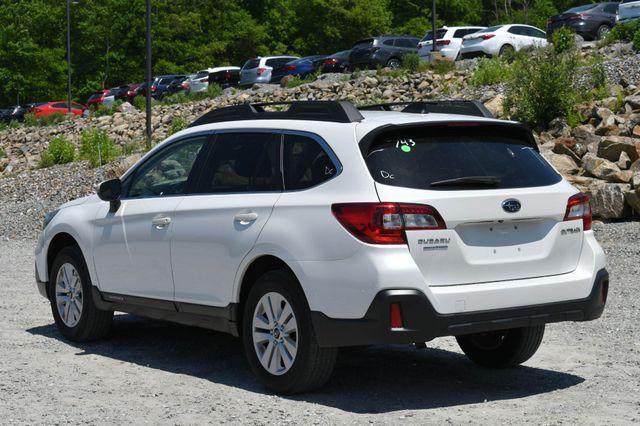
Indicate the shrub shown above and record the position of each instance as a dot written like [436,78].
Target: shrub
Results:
[177,124]
[14,124]
[97,147]
[30,119]
[541,86]
[490,71]
[140,102]
[214,90]
[133,146]
[2,153]
[60,151]
[3,126]
[636,40]
[623,32]
[443,67]
[51,119]
[564,40]
[411,62]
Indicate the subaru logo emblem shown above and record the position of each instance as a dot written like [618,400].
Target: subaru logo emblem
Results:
[511,205]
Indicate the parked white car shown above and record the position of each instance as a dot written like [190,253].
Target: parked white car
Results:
[199,82]
[500,39]
[448,41]
[322,226]
[628,10]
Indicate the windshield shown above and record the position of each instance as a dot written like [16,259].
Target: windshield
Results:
[456,158]
[429,36]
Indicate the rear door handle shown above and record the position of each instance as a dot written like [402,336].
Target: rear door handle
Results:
[246,218]
[160,221]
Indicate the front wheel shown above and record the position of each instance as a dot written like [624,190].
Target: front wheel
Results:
[75,314]
[502,348]
[278,337]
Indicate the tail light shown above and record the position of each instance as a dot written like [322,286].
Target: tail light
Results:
[331,61]
[487,36]
[261,71]
[395,316]
[577,16]
[578,207]
[442,42]
[185,85]
[290,67]
[153,88]
[386,223]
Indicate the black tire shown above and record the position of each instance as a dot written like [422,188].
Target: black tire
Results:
[312,365]
[502,348]
[507,50]
[93,323]
[602,31]
[394,63]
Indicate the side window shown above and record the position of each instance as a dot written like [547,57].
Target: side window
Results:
[59,105]
[167,173]
[405,43]
[611,8]
[460,33]
[306,163]
[517,30]
[388,42]
[243,162]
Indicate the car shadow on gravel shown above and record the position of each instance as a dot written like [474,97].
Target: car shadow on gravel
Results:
[375,379]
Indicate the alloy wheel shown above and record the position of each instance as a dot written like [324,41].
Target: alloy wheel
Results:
[69,295]
[275,333]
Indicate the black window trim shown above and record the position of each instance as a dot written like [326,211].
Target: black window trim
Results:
[193,182]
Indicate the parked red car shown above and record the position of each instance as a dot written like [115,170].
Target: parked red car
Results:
[97,97]
[48,108]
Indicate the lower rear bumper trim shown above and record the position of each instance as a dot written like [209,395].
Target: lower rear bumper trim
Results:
[422,323]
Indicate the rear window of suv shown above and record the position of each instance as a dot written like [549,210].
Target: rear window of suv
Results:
[251,63]
[457,158]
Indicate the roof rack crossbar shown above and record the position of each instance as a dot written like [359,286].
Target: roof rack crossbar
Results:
[331,111]
[461,107]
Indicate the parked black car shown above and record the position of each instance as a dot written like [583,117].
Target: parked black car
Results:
[15,112]
[591,21]
[119,93]
[386,51]
[161,83]
[177,86]
[225,78]
[338,62]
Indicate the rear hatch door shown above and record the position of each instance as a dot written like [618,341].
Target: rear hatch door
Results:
[503,205]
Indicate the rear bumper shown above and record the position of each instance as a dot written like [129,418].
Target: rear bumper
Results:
[422,323]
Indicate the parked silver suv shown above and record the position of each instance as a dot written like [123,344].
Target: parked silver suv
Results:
[261,69]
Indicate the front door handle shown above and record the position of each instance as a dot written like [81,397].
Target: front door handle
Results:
[246,218]
[160,221]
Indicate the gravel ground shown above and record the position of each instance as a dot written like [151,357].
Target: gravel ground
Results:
[159,373]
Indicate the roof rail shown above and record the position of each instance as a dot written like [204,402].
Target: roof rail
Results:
[332,111]
[473,108]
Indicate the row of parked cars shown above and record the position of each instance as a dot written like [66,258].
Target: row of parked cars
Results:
[591,21]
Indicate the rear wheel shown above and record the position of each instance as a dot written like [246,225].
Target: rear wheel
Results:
[394,63]
[278,336]
[507,50]
[602,31]
[74,312]
[502,348]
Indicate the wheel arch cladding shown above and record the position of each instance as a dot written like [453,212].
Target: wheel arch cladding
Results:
[258,267]
[57,243]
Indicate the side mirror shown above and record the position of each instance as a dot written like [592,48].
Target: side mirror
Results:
[110,190]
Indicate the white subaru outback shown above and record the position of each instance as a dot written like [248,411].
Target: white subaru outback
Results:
[320,226]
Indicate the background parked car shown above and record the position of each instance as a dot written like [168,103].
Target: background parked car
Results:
[225,76]
[133,91]
[268,69]
[591,21]
[119,92]
[177,85]
[303,67]
[386,51]
[161,83]
[47,108]
[448,41]
[501,39]
[14,113]
[338,62]
[628,10]
[97,98]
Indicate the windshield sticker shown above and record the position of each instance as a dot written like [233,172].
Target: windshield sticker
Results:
[328,171]
[386,175]
[405,144]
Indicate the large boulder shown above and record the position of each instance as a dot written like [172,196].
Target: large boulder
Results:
[633,199]
[563,163]
[633,101]
[495,105]
[611,147]
[598,167]
[608,199]
[566,146]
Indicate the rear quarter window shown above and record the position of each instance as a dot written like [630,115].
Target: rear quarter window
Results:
[419,158]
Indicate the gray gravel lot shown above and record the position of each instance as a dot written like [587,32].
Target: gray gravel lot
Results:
[154,372]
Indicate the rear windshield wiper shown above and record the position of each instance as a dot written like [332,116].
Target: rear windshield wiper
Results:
[469,181]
